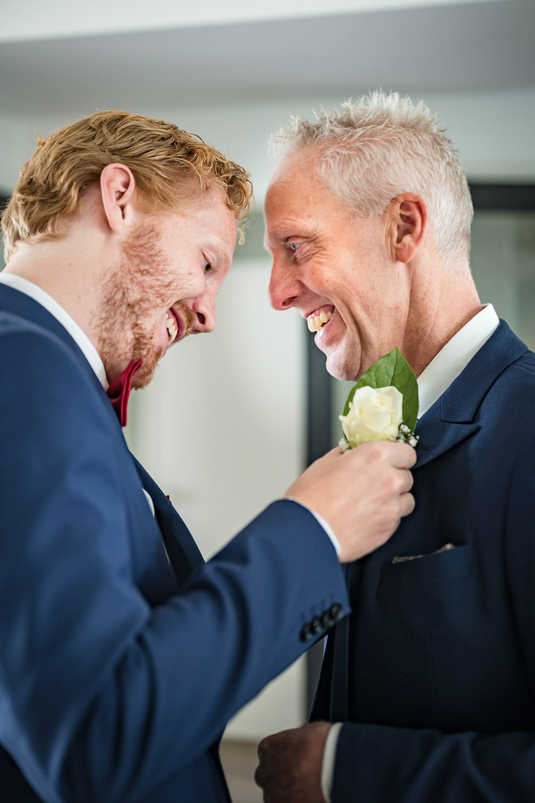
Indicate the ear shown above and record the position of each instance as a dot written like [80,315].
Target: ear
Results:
[407,221]
[117,187]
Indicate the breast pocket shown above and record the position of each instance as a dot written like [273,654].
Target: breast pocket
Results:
[437,600]
[432,590]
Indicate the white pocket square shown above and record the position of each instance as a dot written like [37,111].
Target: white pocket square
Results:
[403,558]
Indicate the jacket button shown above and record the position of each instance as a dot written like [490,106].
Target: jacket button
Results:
[326,620]
[315,626]
[335,611]
[305,633]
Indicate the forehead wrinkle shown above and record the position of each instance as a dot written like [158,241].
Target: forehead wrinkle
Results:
[288,227]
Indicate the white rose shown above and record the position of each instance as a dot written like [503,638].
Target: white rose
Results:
[375,415]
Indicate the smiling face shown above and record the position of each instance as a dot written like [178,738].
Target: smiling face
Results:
[172,265]
[335,268]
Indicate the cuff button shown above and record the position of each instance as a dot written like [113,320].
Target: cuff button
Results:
[326,620]
[305,633]
[335,611]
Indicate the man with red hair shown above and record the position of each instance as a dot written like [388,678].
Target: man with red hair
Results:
[123,654]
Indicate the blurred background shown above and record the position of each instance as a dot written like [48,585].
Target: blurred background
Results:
[230,420]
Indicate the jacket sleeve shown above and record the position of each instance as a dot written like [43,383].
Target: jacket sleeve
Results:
[102,696]
[378,764]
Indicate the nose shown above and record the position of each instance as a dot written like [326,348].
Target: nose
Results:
[284,287]
[204,314]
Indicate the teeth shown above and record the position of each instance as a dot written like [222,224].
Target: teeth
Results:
[172,328]
[316,322]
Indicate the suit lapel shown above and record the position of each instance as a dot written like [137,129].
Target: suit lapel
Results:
[452,418]
[183,552]
[438,436]
[17,303]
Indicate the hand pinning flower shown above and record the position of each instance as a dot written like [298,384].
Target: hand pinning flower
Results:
[383,405]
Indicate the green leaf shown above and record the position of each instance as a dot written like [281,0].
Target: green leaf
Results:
[392,369]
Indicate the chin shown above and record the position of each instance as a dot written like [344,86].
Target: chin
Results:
[144,374]
[341,368]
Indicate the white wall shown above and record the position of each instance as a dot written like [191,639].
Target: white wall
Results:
[493,131]
[35,19]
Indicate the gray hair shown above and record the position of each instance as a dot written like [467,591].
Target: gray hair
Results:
[380,146]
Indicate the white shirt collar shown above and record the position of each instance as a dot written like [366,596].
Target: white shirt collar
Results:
[453,358]
[78,335]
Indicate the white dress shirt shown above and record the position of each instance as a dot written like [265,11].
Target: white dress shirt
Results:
[453,358]
[434,380]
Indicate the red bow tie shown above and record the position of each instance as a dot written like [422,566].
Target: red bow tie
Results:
[119,390]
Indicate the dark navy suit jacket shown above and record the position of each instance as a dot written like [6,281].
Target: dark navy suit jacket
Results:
[120,669]
[434,672]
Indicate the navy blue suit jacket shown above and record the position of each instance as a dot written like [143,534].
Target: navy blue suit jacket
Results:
[120,669]
[434,672]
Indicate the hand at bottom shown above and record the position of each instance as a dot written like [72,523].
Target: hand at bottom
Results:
[290,764]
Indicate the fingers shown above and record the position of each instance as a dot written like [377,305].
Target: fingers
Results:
[336,450]
[406,481]
[260,777]
[406,504]
[271,770]
[262,771]
[332,453]
[401,455]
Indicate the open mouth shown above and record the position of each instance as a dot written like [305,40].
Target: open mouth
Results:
[179,323]
[317,319]
[171,324]
[176,328]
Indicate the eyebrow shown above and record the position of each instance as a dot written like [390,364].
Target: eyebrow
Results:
[283,231]
[279,232]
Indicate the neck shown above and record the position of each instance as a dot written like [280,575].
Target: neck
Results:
[442,302]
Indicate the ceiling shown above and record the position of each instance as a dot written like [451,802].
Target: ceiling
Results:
[467,47]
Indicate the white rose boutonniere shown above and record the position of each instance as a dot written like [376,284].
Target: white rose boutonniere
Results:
[375,414]
[383,405]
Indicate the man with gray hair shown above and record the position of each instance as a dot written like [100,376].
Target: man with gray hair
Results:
[426,690]
[123,654]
